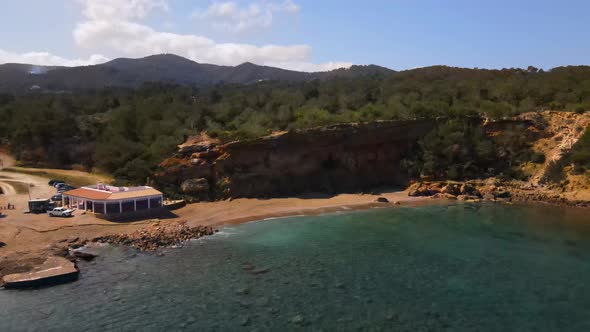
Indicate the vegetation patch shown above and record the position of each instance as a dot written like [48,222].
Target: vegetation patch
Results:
[128,132]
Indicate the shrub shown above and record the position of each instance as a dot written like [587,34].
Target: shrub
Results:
[538,158]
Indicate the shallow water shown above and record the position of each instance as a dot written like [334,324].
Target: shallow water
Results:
[462,267]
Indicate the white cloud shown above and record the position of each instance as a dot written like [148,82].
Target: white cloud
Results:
[46,58]
[310,67]
[114,27]
[122,9]
[230,16]
[137,40]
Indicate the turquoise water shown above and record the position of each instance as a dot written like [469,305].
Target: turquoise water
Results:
[436,268]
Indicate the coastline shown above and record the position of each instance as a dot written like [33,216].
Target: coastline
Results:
[33,242]
[31,239]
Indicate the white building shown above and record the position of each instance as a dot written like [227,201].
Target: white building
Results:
[110,200]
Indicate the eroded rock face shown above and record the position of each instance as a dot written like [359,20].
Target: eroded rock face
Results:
[195,186]
[339,158]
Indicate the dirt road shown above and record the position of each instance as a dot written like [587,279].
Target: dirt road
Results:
[16,187]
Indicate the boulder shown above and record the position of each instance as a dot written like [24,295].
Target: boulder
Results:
[195,186]
[488,197]
[468,198]
[424,190]
[467,189]
[382,200]
[450,189]
[2,244]
[443,196]
[502,194]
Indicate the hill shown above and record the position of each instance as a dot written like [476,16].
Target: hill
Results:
[164,68]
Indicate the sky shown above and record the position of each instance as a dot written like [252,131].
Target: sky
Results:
[307,35]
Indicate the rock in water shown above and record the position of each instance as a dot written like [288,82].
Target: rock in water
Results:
[83,255]
[382,200]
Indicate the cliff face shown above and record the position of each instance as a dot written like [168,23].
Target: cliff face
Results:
[340,158]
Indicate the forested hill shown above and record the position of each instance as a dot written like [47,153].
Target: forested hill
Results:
[166,68]
[127,132]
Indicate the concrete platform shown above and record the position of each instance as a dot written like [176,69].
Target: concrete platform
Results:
[55,270]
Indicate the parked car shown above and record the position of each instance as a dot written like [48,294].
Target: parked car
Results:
[60,212]
[56,198]
[65,188]
[53,182]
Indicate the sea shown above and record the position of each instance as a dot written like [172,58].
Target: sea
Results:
[444,267]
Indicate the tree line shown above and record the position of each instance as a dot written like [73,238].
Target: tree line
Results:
[127,132]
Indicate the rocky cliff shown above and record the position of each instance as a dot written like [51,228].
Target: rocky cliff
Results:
[339,158]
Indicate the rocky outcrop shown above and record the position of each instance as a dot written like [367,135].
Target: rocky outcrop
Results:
[158,235]
[494,190]
[443,189]
[338,158]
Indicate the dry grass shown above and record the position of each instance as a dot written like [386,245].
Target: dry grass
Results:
[75,178]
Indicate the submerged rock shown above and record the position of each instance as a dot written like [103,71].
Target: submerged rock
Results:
[261,270]
[244,321]
[297,320]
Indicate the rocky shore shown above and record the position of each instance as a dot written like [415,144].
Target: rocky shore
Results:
[158,235]
[492,190]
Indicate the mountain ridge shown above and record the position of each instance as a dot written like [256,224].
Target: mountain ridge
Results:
[166,68]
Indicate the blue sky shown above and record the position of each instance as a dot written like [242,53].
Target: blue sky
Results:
[300,34]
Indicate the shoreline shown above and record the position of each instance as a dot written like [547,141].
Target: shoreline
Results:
[191,219]
[30,239]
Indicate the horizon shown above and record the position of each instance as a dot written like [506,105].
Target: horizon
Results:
[298,34]
[262,65]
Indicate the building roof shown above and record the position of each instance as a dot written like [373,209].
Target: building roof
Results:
[108,193]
